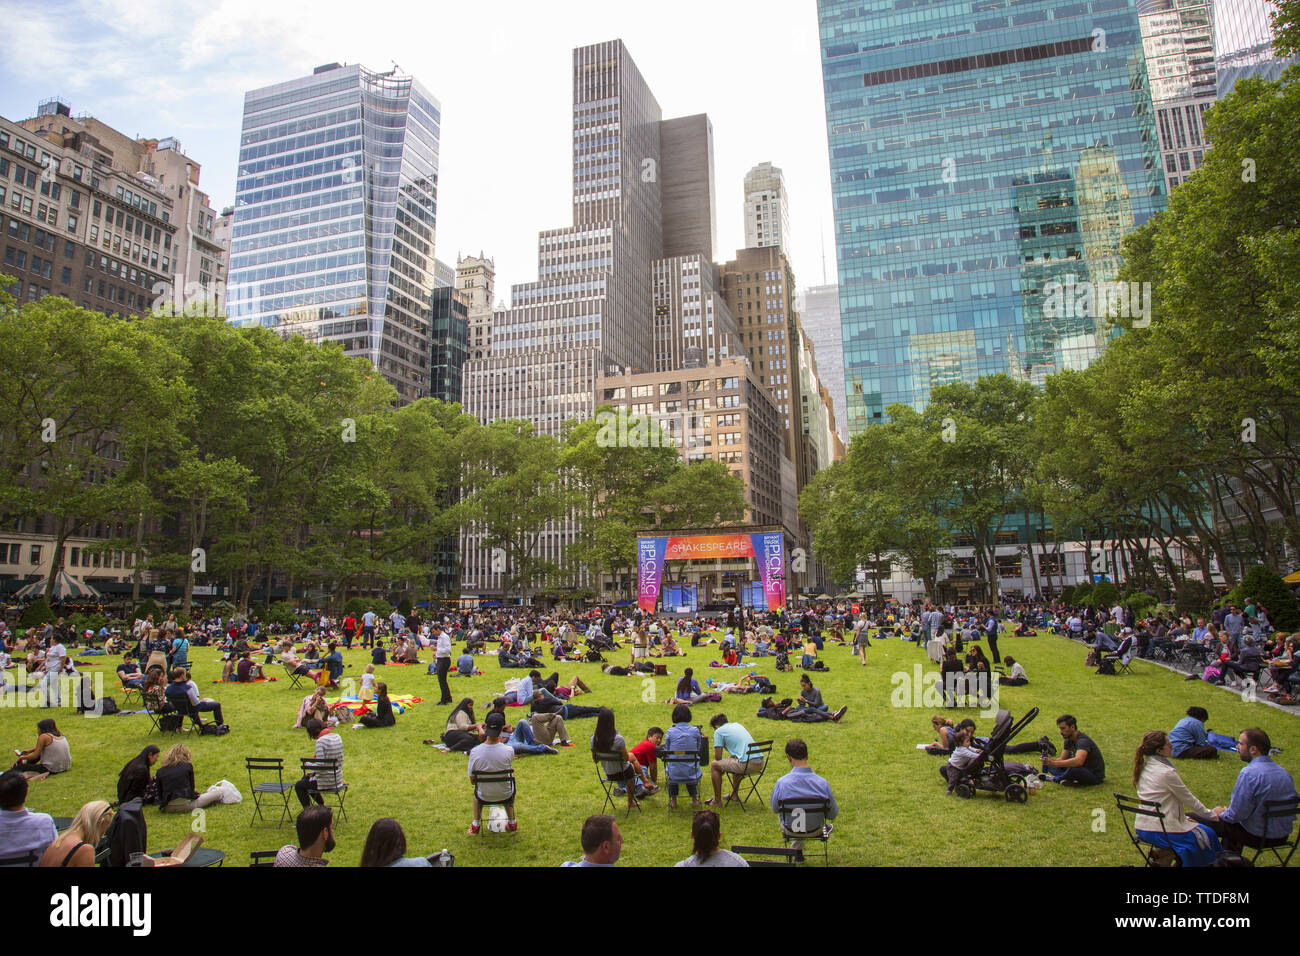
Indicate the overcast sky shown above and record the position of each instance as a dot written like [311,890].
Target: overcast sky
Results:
[501,70]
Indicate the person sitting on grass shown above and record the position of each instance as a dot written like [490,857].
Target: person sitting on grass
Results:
[1158,783]
[623,766]
[176,793]
[492,756]
[706,835]
[602,842]
[461,733]
[1017,677]
[1189,738]
[333,662]
[315,827]
[687,691]
[811,708]
[135,776]
[386,846]
[383,715]
[1080,761]
[77,845]
[683,737]
[50,755]
[465,665]
[964,753]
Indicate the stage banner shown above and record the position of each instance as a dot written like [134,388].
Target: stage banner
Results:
[650,569]
[767,548]
[769,552]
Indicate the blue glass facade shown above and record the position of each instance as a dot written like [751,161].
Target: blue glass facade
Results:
[978,151]
[335,214]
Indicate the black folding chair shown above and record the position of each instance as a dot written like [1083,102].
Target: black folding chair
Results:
[295,679]
[784,855]
[1279,810]
[1145,808]
[29,858]
[611,779]
[807,820]
[492,778]
[262,857]
[185,707]
[757,750]
[686,759]
[128,693]
[332,769]
[263,791]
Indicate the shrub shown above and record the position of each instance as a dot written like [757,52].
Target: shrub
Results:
[281,613]
[1267,588]
[404,606]
[1081,594]
[1140,602]
[36,613]
[149,606]
[1104,594]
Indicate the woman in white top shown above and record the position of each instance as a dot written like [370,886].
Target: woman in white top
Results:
[1158,783]
[50,755]
[706,834]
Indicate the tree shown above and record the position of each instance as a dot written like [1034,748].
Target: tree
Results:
[516,495]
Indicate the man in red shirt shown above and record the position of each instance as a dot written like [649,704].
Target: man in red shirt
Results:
[645,752]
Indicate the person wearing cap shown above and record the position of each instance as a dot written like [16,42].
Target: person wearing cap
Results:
[490,756]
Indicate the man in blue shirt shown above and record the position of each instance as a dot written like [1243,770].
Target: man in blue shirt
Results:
[802,784]
[602,842]
[1242,823]
[1233,623]
[1189,738]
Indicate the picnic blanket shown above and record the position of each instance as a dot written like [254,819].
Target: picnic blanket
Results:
[400,702]
[257,680]
[402,663]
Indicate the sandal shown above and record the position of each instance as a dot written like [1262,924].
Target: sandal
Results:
[713,803]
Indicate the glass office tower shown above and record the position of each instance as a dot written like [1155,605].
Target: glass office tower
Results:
[1243,43]
[335,210]
[979,150]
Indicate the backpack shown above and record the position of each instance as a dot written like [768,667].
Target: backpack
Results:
[127,834]
[108,706]
[169,723]
[818,666]
[215,730]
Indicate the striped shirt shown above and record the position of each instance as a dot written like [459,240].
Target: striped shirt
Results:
[329,747]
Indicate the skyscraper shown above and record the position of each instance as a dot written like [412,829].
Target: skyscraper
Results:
[335,214]
[642,192]
[767,208]
[974,155]
[1243,43]
[1178,39]
[819,311]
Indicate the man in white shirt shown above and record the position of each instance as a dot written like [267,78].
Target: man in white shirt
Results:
[54,659]
[489,756]
[442,641]
[368,628]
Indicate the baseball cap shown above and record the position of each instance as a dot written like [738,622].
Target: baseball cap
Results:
[495,721]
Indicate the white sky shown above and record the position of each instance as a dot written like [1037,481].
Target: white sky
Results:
[499,68]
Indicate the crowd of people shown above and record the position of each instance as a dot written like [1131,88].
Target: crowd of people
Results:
[156,663]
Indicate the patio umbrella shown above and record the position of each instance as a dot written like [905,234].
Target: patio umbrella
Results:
[66,587]
[1292,578]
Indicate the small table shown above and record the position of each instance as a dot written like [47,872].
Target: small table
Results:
[202,857]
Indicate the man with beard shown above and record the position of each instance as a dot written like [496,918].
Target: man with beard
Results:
[315,838]
[1242,823]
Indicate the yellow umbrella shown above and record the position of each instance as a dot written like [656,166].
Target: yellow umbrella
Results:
[1293,578]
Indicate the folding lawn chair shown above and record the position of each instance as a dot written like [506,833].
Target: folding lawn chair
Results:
[264,790]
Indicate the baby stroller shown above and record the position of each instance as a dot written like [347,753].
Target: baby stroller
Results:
[988,771]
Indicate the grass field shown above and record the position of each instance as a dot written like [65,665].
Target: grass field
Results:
[893,808]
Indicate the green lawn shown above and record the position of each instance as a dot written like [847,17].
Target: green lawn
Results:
[893,809]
